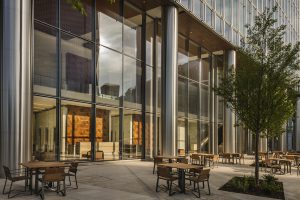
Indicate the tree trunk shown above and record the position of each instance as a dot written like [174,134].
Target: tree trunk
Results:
[256,159]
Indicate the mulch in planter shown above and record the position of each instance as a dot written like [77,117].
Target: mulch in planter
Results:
[252,190]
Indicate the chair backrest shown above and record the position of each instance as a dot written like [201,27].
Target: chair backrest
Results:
[163,172]
[7,172]
[195,157]
[54,174]
[204,175]
[158,160]
[73,167]
[183,160]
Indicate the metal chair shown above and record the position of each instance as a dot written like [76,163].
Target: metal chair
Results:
[203,177]
[157,161]
[14,176]
[164,173]
[53,175]
[195,159]
[72,172]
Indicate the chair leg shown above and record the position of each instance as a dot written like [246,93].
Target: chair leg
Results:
[170,188]
[64,184]
[43,191]
[70,181]
[198,190]
[8,195]
[3,191]
[76,181]
[153,168]
[208,187]
[157,184]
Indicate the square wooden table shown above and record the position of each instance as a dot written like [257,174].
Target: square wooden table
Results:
[204,157]
[40,165]
[181,168]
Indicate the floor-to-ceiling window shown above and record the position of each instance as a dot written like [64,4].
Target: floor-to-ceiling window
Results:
[88,80]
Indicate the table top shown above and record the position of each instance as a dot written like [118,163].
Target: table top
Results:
[205,154]
[43,164]
[170,157]
[280,159]
[181,166]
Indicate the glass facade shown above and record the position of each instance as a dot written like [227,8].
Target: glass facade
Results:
[233,15]
[98,77]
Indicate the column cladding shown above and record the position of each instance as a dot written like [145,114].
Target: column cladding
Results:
[229,120]
[169,79]
[16,86]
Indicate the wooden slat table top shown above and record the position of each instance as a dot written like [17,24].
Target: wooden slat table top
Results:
[43,164]
[280,159]
[181,166]
[170,157]
[205,154]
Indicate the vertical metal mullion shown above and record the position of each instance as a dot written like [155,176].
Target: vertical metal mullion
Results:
[58,86]
[121,127]
[199,101]
[154,51]
[143,84]
[186,134]
[93,111]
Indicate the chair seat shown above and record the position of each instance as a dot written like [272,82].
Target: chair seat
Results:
[196,179]
[19,178]
[173,178]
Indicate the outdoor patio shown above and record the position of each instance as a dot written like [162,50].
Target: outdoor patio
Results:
[134,180]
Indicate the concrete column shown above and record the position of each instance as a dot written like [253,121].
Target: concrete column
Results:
[16,87]
[229,120]
[297,133]
[263,145]
[169,79]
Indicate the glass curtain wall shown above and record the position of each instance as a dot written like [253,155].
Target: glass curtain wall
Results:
[89,88]
[194,67]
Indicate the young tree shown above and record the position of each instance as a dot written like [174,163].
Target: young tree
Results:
[261,91]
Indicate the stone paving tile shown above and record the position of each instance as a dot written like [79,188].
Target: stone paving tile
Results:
[133,180]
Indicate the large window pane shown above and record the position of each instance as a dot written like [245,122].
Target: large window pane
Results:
[227,5]
[109,25]
[209,16]
[44,129]
[132,134]
[182,57]
[132,83]
[149,40]
[204,102]
[77,68]
[193,99]
[149,90]
[205,67]
[193,136]
[75,22]
[194,61]
[181,124]
[46,11]
[149,137]
[45,60]
[109,76]
[107,133]
[219,6]
[182,94]
[132,31]
[196,7]
[75,137]
[204,136]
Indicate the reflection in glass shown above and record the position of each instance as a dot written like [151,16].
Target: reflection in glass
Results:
[75,131]
[204,136]
[132,134]
[149,90]
[205,67]
[204,101]
[193,99]
[132,31]
[149,40]
[109,76]
[181,134]
[107,133]
[77,69]
[44,129]
[45,60]
[182,57]
[132,83]
[182,94]
[108,25]
[149,136]
[193,136]
[75,22]
[46,11]
[227,5]
[194,61]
